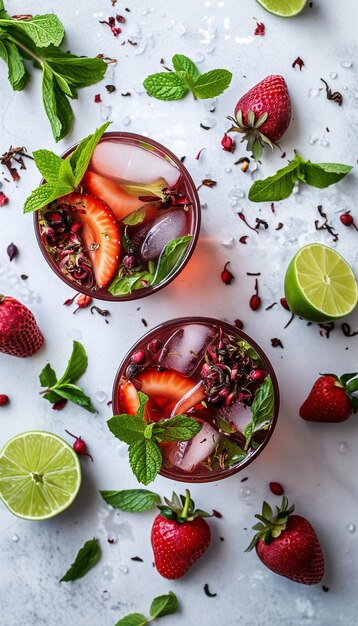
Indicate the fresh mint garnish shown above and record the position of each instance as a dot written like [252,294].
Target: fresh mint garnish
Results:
[131,500]
[162,605]
[86,558]
[62,175]
[145,456]
[38,39]
[169,260]
[262,410]
[186,77]
[64,388]
[280,185]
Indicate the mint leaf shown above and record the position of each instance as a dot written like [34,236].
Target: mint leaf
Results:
[78,71]
[126,284]
[43,30]
[276,187]
[49,164]
[229,453]
[43,195]
[182,63]
[262,409]
[56,105]
[177,428]
[77,364]
[134,218]
[143,399]
[212,84]
[165,86]
[145,459]
[75,394]
[127,428]
[170,258]
[17,73]
[86,558]
[48,377]
[164,605]
[131,500]
[324,174]
[80,158]
[134,619]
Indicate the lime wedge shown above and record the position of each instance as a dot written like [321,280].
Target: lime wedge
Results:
[40,475]
[320,285]
[283,8]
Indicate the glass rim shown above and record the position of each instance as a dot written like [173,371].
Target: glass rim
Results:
[146,291]
[216,474]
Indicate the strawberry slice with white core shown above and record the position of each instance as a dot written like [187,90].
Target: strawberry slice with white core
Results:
[132,164]
[110,191]
[100,235]
[165,389]
[128,398]
[187,455]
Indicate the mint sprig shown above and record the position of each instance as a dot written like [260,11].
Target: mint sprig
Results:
[62,175]
[186,77]
[161,606]
[280,185]
[142,437]
[86,558]
[64,388]
[262,410]
[38,39]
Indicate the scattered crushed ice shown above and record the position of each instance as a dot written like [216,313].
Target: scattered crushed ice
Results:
[123,569]
[313,92]
[126,120]
[342,447]
[245,491]
[208,122]
[350,528]
[228,169]
[333,75]
[15,538]
[105,111]
[107,572]
[198,57]
[346,64]
[100,396]
[227,240]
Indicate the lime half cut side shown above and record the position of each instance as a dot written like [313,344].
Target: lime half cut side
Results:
[40,475]
[320,285]
[283,8]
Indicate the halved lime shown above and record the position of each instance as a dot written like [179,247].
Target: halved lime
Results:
[320,285]
[283,8]
[40,475]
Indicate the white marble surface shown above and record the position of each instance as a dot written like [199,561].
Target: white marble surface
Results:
[316,464]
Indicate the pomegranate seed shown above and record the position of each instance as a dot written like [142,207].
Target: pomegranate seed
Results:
[4,399]
[226,275]
[257,375]
[120,19]
[97,98]
[129,261]
[239,324]
[154,346]
[276,489]
[79,445]
[3,199]
[260,29]
[138,357]
[228,144]
[284,304]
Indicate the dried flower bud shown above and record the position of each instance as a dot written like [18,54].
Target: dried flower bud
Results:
[154,346]
[257,375]
[347,219]
[276,489]
[3,199]
[228,144]
[82,301]
[12,251]
[226,275]
[138,357]
[284,304]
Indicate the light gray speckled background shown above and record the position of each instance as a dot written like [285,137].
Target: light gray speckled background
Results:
[317,464]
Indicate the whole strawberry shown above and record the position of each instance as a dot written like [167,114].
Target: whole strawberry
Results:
[331,399]
[19,333]
[263,114]
[180,536]
[288,545]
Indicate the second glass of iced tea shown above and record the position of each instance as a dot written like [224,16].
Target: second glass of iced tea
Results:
[208,370]
[131,227]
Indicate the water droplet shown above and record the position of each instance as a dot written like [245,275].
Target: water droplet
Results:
[100,396]
[312,139]
[138,87]
[355,94]
[15,538]
[123,568]
[198,57]
[181,30]
[227,240]
[145,12]
[324,143]
[245,491]
[313,93]
[105,111]
[107,572]
[345,87]
[122,450]
[346,64]
[296,188]
[204,205]
[342,447]
[105,595]
[350,528]
[237,192]
[208,122]
[126,120]
[233,203]
[227,169]
[333,75]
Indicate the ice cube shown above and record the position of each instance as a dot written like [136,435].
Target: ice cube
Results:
[237,414]
[132,164]
[165,228]
[188,454]
[185,348]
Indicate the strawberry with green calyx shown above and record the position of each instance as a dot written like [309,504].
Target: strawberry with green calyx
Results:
[179,536]
[263,114]
[288,545]
[331,399]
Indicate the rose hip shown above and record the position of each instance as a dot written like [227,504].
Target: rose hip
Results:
[82,301]
[79,446]
[255,300]
[154,346]
[347,219]
[276,489]
[4,399]
[226,275]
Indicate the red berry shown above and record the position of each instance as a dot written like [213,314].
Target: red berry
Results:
[346,219]
[59,405]
[284,304]
[79,446]
[4,399]
[228,144]
[276,489]
[19,334]
[257,375]
[82,301]
[255,302]
[154,346]
[138,357]
[239,324]
[226,275]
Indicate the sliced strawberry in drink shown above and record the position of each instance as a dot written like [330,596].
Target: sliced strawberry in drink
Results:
[128,398]
[167,384]
[194,396]
[117,198]
[100,235]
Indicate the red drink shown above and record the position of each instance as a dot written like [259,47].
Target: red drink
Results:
[209,371]
[132,226]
